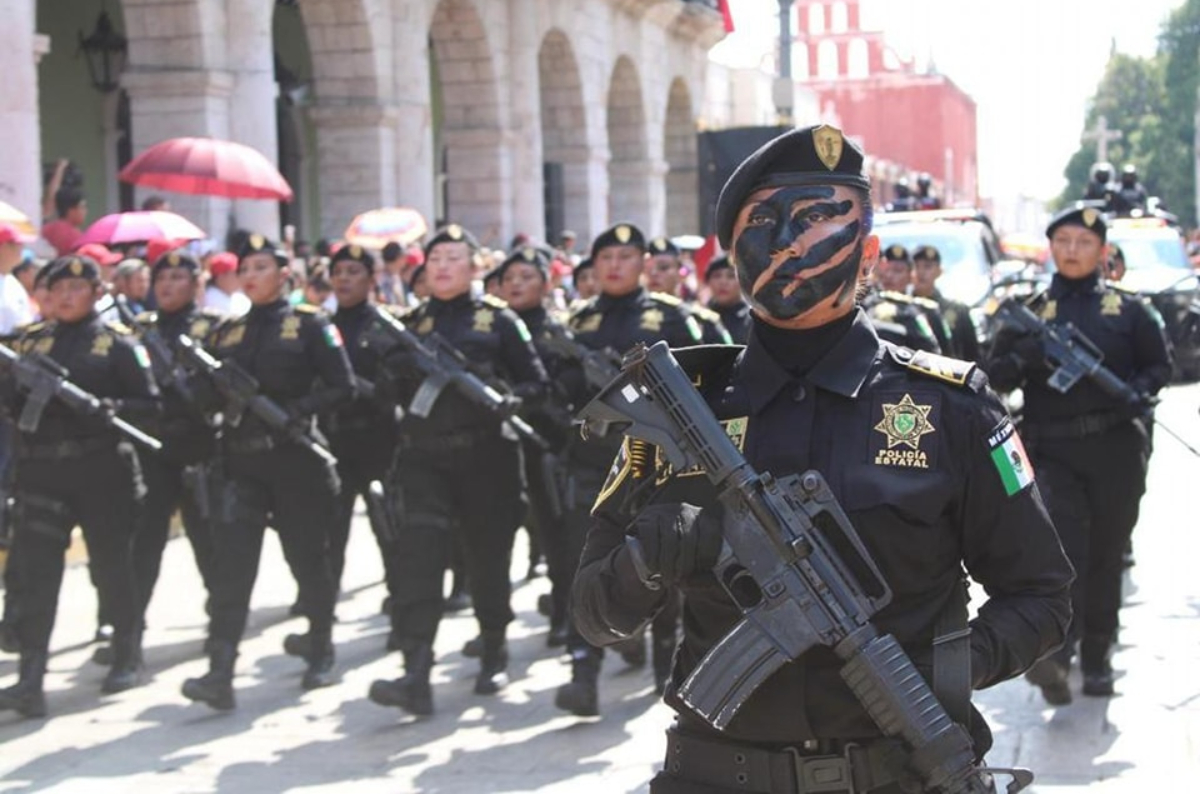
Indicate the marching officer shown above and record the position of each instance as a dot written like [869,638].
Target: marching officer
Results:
[177,477]
[622,315]
[75,469]
[1090,449]
[664,275]
[896,318]
[726,299]
[927,269]
[298,360]
[457,476]
[903,440]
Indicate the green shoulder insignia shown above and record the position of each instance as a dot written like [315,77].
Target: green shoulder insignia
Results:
[494,302]
[951,370]
[669,300]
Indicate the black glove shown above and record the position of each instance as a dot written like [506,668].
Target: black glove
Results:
[670,542]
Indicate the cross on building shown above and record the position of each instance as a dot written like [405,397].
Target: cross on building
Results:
[1102,135]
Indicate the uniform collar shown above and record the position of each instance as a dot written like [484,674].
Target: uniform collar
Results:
[534,316]
[268,309]
[842,370]
[605,302]
[1060,285]
[357,310]
[87,321]
[439,306]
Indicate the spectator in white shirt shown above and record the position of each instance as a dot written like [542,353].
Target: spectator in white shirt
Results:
[15,308]
[224,290]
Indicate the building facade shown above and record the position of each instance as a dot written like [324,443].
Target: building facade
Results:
[504,115]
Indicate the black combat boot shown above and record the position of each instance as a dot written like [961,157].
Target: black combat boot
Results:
[663,653]
[320,672]
[633,650]
[1050,675]
[1096,665]
[493,664]
[580,696]
[215,688]
[473,648]
[27,697]
[412,692]
[9,641]
[126,671]
[299,645]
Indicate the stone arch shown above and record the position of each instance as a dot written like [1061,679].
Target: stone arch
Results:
[679,152]
[471,171]
[839,18]
[816,19]
[344,46]
[628,169]
[858,63]
[565,152]
[828,63]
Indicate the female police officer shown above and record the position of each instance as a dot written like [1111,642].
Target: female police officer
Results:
[906,442]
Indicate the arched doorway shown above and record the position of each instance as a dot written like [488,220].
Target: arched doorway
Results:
[679,151]
[294,131]
[564,137]
[628,193]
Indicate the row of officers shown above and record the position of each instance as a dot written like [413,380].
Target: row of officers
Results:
[456,479]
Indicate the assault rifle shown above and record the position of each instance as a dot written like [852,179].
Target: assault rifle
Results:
[599,366]
[241,394]
[43,379]
[163,364]
[799,572]
[444,365]
[1075,357]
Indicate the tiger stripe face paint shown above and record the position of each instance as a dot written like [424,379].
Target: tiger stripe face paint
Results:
[798,251]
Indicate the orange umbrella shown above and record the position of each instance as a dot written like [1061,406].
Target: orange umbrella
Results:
[377,228]
[17,219]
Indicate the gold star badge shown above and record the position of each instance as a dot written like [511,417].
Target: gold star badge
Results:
[1090,217]
[828,142]
[529,254]
[905,422]
[624,233]
[896,252]
[454,231]
[356,252]
[173,259]
[257,242]
[76,267]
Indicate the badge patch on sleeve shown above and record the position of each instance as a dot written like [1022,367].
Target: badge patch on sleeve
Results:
[1009,456]
[333,337]
[902,423]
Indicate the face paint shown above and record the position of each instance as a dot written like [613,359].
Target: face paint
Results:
[798,248]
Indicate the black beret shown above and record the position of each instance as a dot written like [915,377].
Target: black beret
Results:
[897,253]
[584,264]
[818,155]
[174,259]
[528,255]
[257,244]
[72,267]
[1089,218]
[452,233]
[718,263]
[418,271]
[660,246]
[619,234]
[927,253]
[492,275]
[353,253]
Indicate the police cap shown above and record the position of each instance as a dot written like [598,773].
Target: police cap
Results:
[584,264]
[926,253]
[257,244]
[818,155]
[661,246]
[718,263]
[452,233]
[73,266]
[897,253]
[527,255]
[352,253]
[619,234]
[174,259]
[1089,218]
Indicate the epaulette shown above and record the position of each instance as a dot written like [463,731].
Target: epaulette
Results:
[399,312]
[704,313]
[307,308]
[934,365]
[213,314]
[576,305]
[30,328]
[925,303]
[494,302]
[147,317]
[118,327]
[1124,289]
[663,297]
[580,307]
[896,297]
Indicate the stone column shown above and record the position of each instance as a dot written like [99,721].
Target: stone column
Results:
[478,182]
[638,194]
[412,142]
[356,161]
[21,154]
[170,104]
[525,122]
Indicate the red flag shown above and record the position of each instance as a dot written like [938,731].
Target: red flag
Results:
[725,13]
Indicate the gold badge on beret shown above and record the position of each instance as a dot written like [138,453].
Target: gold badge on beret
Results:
[1090,216]
[76,267]
[257,242]
[173,259]
[356,252]
[529,254]
[659,244]
[828,142]
[896,252]
[623,233]
[454,231]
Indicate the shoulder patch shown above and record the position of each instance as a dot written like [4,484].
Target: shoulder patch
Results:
[663,297]
[1009,457]
[494,302]
[950,370]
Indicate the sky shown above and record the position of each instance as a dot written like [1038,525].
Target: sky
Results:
[1030,65]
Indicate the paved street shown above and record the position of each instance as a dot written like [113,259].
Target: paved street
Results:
[282,739]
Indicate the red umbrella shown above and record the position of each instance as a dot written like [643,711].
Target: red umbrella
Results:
[139,227]
[208,167]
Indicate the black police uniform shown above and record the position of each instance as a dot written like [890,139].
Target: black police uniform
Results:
[964,341]
[734,316]
[1089,449]
[615,323]
[457,474]
[712,327]
[179,476]
[298,359]
[898,321]
[75,470]
[906,443]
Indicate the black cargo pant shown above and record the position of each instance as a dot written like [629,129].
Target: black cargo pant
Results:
[545,525]
[356,477]
[293,491]
[171,486]
[98,490]
[1092,486]
[465,487]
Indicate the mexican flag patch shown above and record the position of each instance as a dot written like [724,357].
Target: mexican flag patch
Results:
[1009,457]
[142,356]
[333,337]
